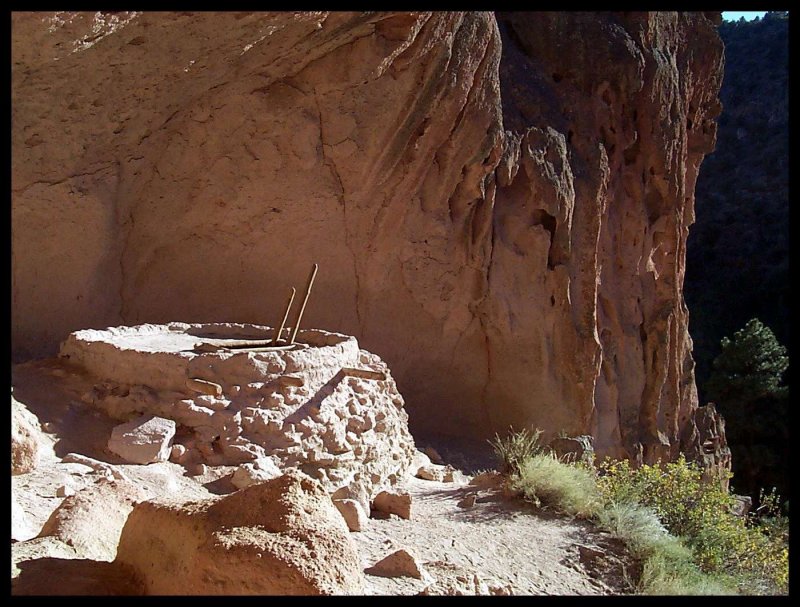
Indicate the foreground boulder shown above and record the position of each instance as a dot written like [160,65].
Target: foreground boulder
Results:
[400,563]
[280,537]
[91,520]
[393,502]
[353,514]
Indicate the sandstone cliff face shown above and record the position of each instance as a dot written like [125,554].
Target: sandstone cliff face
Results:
[499,204]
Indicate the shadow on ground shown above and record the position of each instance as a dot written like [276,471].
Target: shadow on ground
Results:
[56,576]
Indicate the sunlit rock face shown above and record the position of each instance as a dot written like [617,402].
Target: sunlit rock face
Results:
[499,204]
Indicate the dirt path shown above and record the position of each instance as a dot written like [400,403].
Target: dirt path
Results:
[499,542]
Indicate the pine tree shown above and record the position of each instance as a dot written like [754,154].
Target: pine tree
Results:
[746,385]
[749,368]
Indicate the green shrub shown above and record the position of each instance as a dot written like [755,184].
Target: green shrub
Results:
[681,528]
[749,367]
[516,448]
[700,513]
[548,482]
[668,566]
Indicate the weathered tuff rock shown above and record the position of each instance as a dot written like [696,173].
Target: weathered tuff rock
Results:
[352,513]
[326,407]
[500,203]
[26,439]
[91,520]
[284,536]
[256,472]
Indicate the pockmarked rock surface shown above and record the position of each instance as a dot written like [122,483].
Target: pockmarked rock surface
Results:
[325,407]
[500,201]
[283,536]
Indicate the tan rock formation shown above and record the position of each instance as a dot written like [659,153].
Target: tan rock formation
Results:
[499,211]
[27,439]
[92,519]
[283,536]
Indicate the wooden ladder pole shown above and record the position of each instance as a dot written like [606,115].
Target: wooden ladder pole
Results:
[279,330]
[305,301]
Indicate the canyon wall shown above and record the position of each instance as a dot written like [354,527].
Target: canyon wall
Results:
[499,204]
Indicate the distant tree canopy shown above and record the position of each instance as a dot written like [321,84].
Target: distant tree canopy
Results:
[747,387]
[749,368]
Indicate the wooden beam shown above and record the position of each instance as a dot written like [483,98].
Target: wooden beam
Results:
[204,387]
[363,373]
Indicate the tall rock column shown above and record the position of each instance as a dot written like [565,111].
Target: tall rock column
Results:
[608,117]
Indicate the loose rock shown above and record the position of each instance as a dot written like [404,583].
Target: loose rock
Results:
[398,564]
[144,440]
[92,519]
[393,502]
[258,472]
[353,514]
[64,491]
[468,501]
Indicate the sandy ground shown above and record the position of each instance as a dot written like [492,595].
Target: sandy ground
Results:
[500,545]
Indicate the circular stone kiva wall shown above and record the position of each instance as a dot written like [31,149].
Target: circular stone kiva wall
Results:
[322,405]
